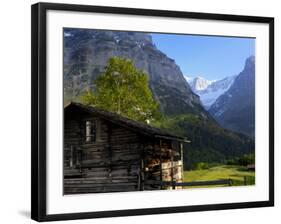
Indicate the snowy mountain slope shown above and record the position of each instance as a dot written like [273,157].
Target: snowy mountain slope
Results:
[209,90]
[199,83]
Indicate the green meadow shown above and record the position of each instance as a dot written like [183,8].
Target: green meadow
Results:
[238,174]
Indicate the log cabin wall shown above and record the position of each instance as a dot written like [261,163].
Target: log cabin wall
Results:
[110,163]
[118,158]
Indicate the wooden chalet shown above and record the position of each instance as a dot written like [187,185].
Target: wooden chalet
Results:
[106,152]
[251,167]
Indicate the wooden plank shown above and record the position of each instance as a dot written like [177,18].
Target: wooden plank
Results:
[192,184]
[99,179]
[161,174]
[98,190]
[91,185]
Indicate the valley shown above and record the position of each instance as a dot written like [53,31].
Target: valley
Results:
[188,108]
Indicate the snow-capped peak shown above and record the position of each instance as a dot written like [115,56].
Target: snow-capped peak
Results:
[188,78]
[67,34]
[198,83]
[209,90]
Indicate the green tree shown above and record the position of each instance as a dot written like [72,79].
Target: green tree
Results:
[201,166]
[125,90]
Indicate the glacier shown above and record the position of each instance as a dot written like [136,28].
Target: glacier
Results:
[209,90]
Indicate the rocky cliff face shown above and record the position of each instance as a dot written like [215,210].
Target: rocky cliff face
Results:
[235,109]
[86,53]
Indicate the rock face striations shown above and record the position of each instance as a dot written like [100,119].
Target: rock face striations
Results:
[86,53]
[235,109]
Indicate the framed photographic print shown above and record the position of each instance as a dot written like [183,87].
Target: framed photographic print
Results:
[138,111]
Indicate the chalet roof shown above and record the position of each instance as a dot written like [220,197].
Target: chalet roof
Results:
[251,166]
[126,122]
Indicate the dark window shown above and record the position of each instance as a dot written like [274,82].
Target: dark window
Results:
[90,131]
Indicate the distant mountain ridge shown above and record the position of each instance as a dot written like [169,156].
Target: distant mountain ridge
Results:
[209,90]
[86,53]
[235,109]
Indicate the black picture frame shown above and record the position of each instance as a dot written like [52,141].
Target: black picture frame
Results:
[38,108]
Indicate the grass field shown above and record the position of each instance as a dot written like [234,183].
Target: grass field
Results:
[238,174]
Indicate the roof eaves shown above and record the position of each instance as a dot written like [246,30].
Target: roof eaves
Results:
[128,123]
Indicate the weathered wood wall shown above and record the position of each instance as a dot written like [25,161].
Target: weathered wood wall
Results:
[111,163]
[119,159]
[162,163]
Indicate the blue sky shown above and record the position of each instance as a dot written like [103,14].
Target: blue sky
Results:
[211,57]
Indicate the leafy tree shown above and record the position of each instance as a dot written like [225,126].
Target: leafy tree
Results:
[125,90]
[201,166]
[244,160]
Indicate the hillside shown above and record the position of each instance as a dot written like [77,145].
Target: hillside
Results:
[235,109]
[209,142]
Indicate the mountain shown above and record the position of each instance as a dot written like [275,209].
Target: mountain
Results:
[198,83]
[86,53]
[235,109]
[210,90]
